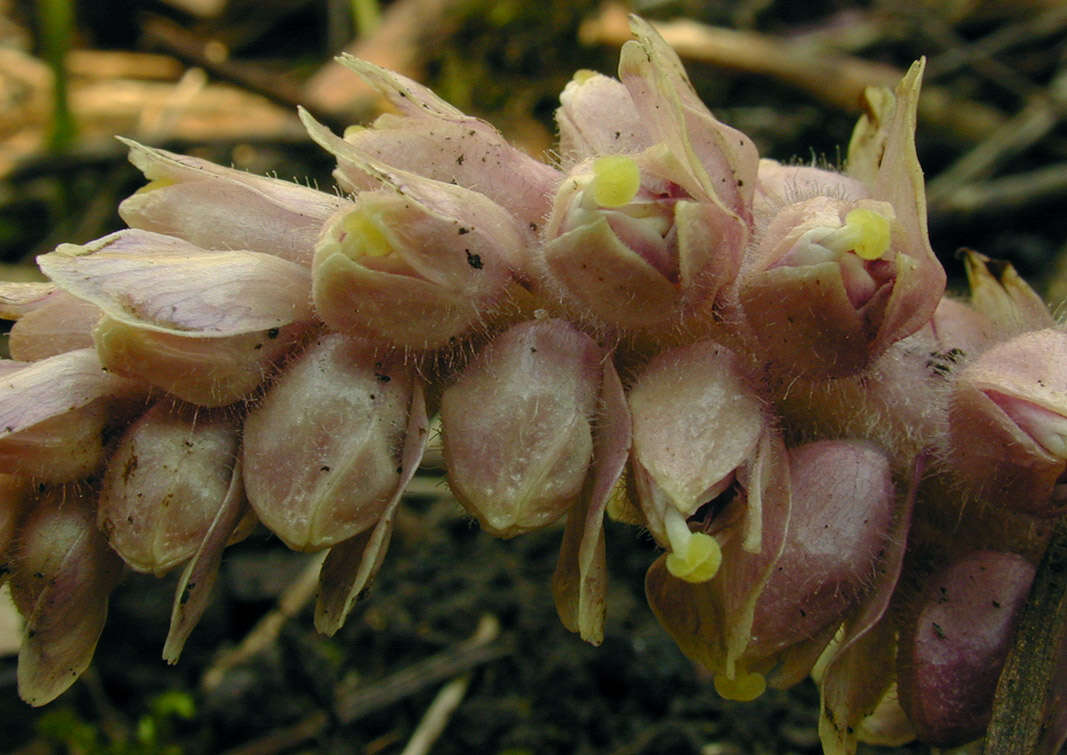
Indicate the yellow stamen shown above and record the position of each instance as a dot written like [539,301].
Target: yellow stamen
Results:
[745,686]
[616,179]
[865,232]
[365,235]
[695,556]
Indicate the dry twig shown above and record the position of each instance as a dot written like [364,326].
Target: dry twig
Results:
[265,632]
[482,647]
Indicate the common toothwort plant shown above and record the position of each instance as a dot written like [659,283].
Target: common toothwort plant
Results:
[849,474]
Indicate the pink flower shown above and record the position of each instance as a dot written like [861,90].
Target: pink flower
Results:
[416,265]
[841,266]
[809,573]
[61,577]
[430,138]
[699,429]
[206,326]
[221,208]
[651,219]
[55,414]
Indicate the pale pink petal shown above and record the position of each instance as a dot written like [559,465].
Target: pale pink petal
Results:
[159,283]
[597,117]
[18,298]
[222,208]
[202,371]
[720,161]
[62,323]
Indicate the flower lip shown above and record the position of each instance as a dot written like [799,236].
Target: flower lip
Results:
[859,245]
[638,207]
[1045,427]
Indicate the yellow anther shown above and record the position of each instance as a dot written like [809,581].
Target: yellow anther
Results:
[616,179]
[865,232]
[745,686]
[873,232]
[364,235]
[699,562]
[694,556]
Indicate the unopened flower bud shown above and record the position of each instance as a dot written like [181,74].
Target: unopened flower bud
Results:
[517,426]
[164,484]
[952,651]
[322,451]
[62,575]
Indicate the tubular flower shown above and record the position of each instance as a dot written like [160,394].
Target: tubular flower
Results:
[1008,424]
[752,361]
[55,414]
[799,592]
[651,221]
[415,266]
[842,267]
[61,577]
[697,429]
[170,316]
[429,137]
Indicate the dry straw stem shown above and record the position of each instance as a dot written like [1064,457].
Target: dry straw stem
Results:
[292,600]
[483,646]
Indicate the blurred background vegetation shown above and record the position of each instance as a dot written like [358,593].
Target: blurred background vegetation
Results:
[220,79]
